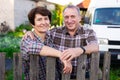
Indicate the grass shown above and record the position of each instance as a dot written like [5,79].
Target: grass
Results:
[115,73]
[9,75]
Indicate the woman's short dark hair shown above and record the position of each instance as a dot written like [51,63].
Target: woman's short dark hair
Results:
[38,10]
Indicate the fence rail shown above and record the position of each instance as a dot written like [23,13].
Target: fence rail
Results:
[50,68]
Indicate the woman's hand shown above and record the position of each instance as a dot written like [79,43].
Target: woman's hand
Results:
[67,66]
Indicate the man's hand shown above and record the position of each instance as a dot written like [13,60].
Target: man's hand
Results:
[30,34]
[67,66]
[71,53]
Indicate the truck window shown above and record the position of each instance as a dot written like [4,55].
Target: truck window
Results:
[107,16]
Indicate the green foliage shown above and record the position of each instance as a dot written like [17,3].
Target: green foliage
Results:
[10,42]
[115,73]
[23,27]
[20,30]
[57,18]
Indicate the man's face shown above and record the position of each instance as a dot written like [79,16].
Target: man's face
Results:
[42,23]
[71,18]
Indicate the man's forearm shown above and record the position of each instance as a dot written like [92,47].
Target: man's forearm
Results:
[91,48]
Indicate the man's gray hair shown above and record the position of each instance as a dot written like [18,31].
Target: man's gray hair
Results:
[72,6]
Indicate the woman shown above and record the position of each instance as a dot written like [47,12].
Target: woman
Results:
[40,19]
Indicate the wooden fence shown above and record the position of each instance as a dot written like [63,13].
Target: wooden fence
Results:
[50,69]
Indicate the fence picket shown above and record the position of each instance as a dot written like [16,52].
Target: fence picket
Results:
[34,67]
[81,67]
[65,76]
[2,66]
[17,66]
[50,68]
[94,67]
[106,66]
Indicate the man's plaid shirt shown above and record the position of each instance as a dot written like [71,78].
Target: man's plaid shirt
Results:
[33,46]
[62,40]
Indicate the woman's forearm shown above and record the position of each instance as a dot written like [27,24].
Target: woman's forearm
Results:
[48,51]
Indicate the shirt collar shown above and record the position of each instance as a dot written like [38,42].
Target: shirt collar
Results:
[65,30]
[36,36]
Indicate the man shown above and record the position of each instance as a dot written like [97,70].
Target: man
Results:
[68,38]
[72,39]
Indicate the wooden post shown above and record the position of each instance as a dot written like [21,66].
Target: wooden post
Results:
[2,66]
[94,66]
[17,63]
[50,68]
[81,68]
[106,66]
[65,76]
[34,67]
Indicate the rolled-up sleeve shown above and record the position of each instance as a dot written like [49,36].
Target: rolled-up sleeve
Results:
[92,37]
[29,46]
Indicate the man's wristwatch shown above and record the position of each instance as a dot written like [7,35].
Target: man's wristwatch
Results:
[83,49]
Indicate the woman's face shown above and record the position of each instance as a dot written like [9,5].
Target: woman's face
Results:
[42,23]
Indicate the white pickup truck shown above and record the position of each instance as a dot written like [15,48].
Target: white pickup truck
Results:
[104,17]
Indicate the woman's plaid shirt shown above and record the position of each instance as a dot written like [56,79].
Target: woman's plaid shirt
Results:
[33,46]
